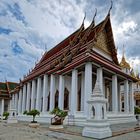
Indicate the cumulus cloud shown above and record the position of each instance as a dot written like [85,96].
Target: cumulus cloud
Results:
[27,27]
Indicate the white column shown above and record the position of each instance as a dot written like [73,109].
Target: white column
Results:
[20,101]
[24,98]
[28,96]
[33,91]
[100,78]
[74,87]
[2,107]
[82,90]
[61,92]
[38,106]
[114,94]
[131,98]
[88,86]
[126,97]
[16,102]
[45,92]
[52,92]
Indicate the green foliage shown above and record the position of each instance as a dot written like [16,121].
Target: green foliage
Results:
[58,112]
[3,86]
[6,114]
[137,110]
[25,112]
[33,113]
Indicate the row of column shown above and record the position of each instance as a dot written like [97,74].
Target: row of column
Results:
[86,85]
[128,96]
[86,91]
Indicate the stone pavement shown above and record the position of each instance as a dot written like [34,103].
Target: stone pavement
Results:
[21,131]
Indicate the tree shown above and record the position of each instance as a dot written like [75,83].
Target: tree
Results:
[6,114]
[59,116]
[33,113]
[137,110]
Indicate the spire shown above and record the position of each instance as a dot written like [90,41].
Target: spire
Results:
[123,62]
[110,7]
[93,20]
[84,19]
[123,50]
[78,34]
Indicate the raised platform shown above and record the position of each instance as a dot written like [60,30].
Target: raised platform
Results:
[79,120]
[56,127]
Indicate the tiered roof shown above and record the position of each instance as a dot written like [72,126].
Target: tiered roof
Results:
[8,88]
[77,49]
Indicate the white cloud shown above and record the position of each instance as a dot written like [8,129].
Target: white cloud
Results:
[48,23]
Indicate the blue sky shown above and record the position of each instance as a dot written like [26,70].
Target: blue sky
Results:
[29,27]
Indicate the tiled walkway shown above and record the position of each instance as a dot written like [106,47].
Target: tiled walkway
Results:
[22,131]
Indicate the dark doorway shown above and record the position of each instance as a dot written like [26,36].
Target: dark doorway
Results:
[66,99]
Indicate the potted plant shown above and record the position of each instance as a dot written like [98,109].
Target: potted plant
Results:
[5,114]
[137,113]
[33,113]
[59,116]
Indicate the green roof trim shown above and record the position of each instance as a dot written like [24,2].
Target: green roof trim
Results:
[12,86]
[3,86]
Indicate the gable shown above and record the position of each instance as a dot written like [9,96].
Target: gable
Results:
[102,47]
[102,43]
[105,42]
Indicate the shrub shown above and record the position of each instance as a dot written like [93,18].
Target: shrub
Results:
[58,112]
[137,110]
[6,114]
[25,112]
[33,113]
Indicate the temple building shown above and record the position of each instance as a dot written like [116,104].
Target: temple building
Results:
[137,94]
[82,75]
[136,86]
[8,91]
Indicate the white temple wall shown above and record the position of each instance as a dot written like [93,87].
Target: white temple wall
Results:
[102,53]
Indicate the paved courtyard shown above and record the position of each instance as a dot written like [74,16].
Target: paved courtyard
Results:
[22,131]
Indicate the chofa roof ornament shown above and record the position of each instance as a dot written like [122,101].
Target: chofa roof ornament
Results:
[110,7]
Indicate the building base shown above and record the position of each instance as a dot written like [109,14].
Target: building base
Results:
[97,130]
[12,120]
[56,127]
